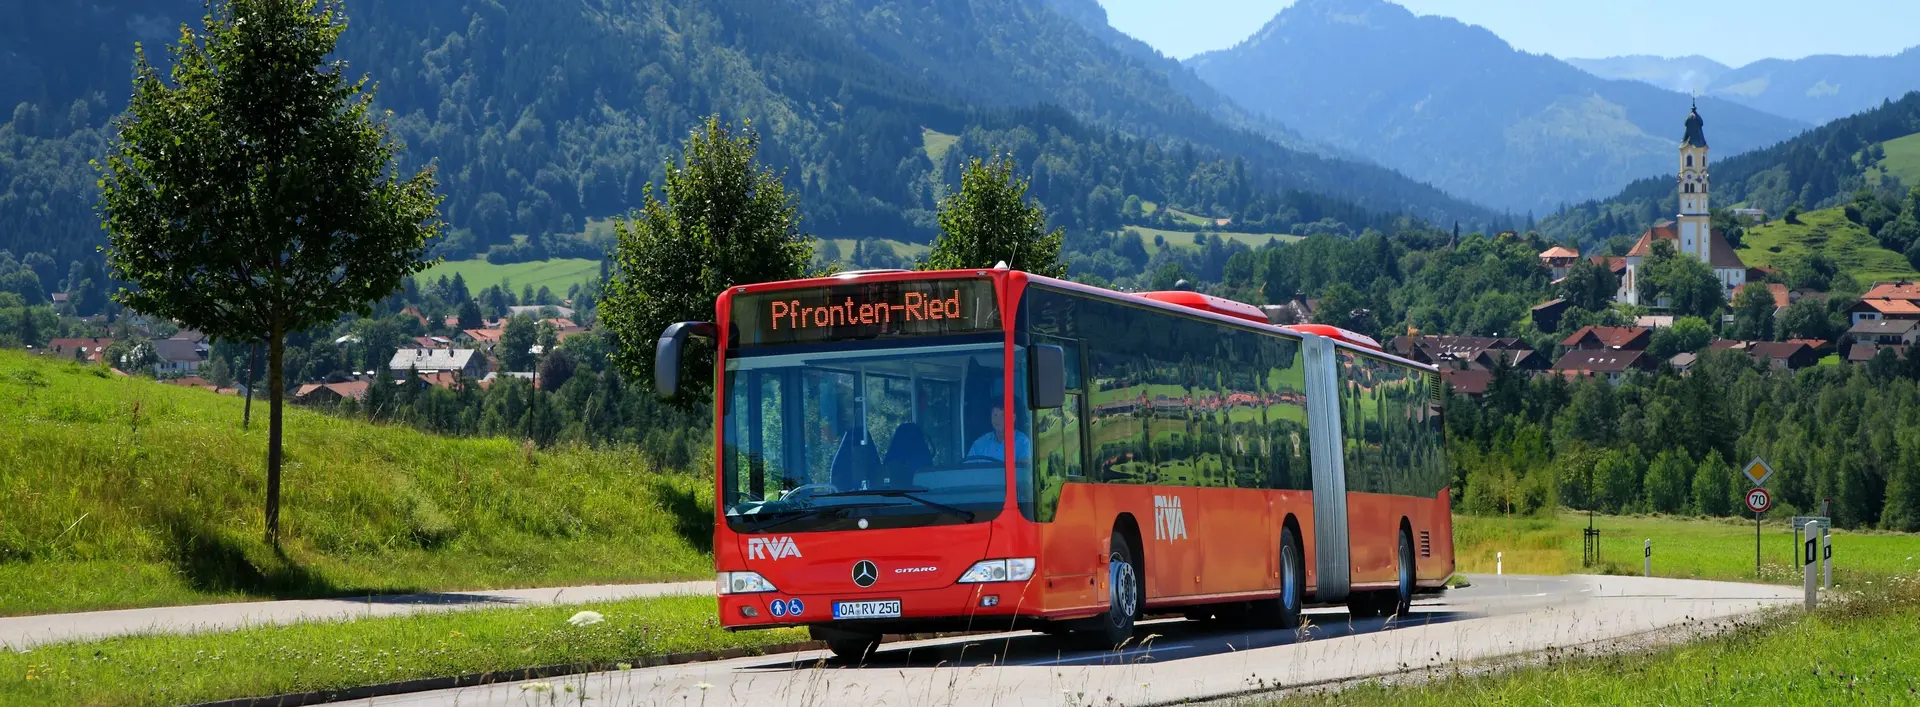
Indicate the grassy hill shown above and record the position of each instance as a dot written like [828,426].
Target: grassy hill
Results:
[556,275]
[1903,161]
[122,492]
[1781,244]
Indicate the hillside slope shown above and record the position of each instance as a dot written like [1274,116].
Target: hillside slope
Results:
[124,492]
[1456,106]
[1783,246]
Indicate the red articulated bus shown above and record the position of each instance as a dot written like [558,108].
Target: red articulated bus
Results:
[971,450]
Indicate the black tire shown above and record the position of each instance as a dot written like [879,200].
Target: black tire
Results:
[853,648]
[1402,597]
[1284,611]
[1123,594]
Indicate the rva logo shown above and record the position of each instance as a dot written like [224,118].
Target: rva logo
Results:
[1169,521]
[772,548]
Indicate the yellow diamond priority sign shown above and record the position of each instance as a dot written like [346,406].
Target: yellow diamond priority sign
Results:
[1757,471]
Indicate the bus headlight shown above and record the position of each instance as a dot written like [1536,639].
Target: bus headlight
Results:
[743,583]
[1018,569]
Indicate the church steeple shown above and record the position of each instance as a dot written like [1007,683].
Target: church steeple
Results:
[1696,235]
[1695,136]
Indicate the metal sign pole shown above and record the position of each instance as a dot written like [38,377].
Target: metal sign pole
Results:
[1756,544]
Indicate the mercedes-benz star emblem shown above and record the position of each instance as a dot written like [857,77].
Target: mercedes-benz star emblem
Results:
[865,573]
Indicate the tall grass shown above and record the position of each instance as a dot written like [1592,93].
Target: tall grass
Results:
[121,492]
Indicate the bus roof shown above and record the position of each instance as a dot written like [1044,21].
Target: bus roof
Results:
[1193,303]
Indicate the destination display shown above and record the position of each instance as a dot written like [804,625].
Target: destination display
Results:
[865,311]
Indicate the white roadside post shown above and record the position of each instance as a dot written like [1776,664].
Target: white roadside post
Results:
[1811,563]
[1648,551]
[1499,559]
[1826,556]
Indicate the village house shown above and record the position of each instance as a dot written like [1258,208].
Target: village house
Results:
[1870,309]
[180,356]
[466,362]
[1885,332]
[331,393]
[1546,315]
[90,350]
[1613,365]
[1558,260]
[1864,352]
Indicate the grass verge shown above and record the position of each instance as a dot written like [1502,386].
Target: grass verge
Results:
[166,670]
[120,492]
[1857,650]
[1694,548]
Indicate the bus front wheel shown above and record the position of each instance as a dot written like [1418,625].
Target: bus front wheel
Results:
[1123,594]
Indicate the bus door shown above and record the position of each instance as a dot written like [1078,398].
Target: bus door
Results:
[1070,525]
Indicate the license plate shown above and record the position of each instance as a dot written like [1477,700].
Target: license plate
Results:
[889,609]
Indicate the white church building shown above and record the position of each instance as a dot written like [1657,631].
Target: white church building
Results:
[1692,233]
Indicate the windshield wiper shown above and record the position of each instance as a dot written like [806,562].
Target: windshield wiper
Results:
[811,511]
[912,494]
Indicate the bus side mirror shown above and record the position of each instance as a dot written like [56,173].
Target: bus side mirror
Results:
[1046,376]
[667,352]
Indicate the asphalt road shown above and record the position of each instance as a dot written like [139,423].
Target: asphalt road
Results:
[28,631]
[1175,660]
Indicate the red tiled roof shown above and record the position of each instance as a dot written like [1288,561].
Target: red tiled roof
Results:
[1863,352]
[1780,293]
[1891,306]
[1904,289]
[1559,251]
[1723,253]
[1467,382]
[1611,336]
[1597,361]
[1615,263]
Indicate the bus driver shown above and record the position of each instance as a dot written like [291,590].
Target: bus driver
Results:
[992,445]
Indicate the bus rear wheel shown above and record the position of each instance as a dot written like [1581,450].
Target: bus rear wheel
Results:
[1402,597]
[1284,611]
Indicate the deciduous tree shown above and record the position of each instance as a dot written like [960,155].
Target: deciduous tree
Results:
[254,194]
[990,220]
[725,221]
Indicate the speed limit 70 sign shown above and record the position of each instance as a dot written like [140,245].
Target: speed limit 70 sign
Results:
[1758,500]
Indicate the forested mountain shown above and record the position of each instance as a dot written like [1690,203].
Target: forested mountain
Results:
[1456,106]
[1818,169]
[1814,89]
[543,115]
[1686,74]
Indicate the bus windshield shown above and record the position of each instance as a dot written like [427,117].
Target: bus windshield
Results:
[867,435]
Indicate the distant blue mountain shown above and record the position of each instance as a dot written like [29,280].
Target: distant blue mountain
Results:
[1455,106]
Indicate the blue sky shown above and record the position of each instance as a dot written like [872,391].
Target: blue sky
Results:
[1737,31]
